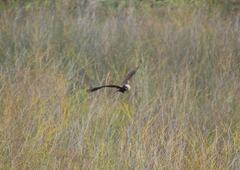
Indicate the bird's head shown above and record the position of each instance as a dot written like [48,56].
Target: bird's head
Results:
[127,86]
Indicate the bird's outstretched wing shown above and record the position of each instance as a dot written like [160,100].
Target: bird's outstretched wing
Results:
[100,87]
[129,75]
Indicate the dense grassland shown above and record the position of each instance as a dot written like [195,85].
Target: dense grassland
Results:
[183,111]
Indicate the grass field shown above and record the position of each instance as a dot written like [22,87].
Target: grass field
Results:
[183,111]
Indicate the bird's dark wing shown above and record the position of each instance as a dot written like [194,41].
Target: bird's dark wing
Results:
[129,75]
[97,88]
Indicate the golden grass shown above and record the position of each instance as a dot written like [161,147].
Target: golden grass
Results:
[183,110]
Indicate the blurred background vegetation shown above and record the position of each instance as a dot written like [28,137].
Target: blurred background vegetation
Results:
[182,112]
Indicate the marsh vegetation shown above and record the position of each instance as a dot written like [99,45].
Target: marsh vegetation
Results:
[183,109]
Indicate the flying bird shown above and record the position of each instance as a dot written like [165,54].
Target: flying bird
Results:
[120,88]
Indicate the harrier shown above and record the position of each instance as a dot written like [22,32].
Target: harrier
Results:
[120,88]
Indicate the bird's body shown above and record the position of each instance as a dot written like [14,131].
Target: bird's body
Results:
[120,88]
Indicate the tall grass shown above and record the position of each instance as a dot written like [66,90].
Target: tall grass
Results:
[182,112]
